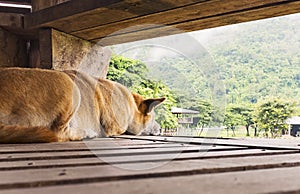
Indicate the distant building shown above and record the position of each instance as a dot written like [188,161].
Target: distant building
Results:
[294,126]
[184,116]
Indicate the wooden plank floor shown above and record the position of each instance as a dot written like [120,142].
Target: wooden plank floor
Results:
[147,164]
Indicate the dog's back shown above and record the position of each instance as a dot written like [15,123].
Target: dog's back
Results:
[34,99]
[46,105]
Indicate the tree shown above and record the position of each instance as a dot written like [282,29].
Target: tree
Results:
[239,115]
[272,114]
[206,110]
[232,120]
[126,71]
[247,113]
[152,89]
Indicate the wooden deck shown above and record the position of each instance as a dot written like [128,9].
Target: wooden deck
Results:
[129,164]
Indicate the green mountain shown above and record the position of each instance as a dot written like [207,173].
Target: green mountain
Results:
[236,64]
[259,59]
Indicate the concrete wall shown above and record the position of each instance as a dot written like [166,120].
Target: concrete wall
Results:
[54,50]
[69,52]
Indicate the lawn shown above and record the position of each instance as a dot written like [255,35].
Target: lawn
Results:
[212,132]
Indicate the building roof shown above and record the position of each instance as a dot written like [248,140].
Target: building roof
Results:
[176,110]
[293,120]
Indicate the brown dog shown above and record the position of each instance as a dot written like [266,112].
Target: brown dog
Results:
[47,106]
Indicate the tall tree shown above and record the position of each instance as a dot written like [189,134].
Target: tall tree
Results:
[239,115]
[205,109]
[272,115]
[132,73]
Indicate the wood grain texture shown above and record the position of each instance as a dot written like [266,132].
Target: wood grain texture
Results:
[131,160]
[45,49]
[248,182]
[11,20]
[107,173]
[146,32]
[12,48]
[199,11]
[108,162]
[42,4]
[115,22]
[253,144]
[26,2]
[94,13]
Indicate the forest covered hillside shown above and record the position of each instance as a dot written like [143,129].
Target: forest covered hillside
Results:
[258,59]
[254,60]
[236,65]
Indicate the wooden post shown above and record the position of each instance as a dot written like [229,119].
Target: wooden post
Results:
[45,48]
[13,51]
[61,51]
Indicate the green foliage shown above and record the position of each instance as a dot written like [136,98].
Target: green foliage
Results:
[239,115]
[272,114]
[193,86]
[206,110]
[255,61]
[259,60]
[126,71]
[152,89]
[132,74]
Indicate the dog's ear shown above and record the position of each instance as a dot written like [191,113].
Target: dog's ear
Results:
[149,104]
[146,106]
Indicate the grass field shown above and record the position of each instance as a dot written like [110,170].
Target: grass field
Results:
[213,132]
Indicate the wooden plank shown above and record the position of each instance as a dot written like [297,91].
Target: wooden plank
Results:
[224,142]
[93,12]
[42,4]
[107,143]
[20,10]
[76,148]
[24,2]
[40,163]
[93,147]
[112,152]
[85,175]
[117,21]
[152,31]
[45,49]
[282,180]
[140,141]
[199,11]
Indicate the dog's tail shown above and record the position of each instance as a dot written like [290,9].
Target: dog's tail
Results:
[20,134]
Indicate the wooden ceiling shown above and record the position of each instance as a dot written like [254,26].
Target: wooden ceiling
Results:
[116,21]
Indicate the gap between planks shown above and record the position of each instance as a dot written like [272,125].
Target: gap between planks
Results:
[212,141]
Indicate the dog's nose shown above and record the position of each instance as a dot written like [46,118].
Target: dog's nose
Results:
[156,129]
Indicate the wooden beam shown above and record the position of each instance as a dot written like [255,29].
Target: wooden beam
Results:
[196,17]
[152,31]
[45,48]
[28,2]
[117,21]
[5,9]
[42,4]
[91,13]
